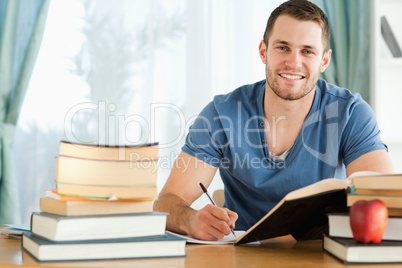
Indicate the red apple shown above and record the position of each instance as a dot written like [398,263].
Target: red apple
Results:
[368,220]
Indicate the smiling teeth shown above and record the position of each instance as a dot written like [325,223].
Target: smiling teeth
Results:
[293,77]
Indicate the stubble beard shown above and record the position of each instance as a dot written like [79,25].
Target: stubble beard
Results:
[272,81]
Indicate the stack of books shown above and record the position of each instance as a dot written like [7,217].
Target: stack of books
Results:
[385,187]
[104,172]
[101,208]
[87,176]
[339,242]
[97,237]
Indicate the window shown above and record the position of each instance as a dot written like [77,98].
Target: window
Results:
[131,72]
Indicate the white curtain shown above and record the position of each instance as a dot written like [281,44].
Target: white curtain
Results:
[131,72]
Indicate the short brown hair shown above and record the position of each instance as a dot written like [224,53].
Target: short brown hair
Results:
[301,10]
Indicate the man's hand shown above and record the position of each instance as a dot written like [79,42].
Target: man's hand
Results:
[181,190]
[211,223]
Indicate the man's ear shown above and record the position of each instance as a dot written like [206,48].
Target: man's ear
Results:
[326,60]
[263,51]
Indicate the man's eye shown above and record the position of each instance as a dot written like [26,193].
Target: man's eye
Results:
[308,52]
[282,48]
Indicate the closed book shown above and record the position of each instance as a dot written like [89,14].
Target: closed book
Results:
[52,193]
[301,213]
[100,191]
[376,181]
[394,211]
[377,192]
[339,226]
[349,251]
[105,172]
[166,245]
[389,201]
[103,152]
[67,228]
[93,207]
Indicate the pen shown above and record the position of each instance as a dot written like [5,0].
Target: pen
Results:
[212,201]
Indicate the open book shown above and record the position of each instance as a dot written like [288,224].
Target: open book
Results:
[301,213]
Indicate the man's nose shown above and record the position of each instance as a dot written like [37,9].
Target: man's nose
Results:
[293,60]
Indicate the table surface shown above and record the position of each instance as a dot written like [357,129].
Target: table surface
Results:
[277,252]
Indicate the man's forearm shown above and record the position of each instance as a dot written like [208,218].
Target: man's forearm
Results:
[179,211]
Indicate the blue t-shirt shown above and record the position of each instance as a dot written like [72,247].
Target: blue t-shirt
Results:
[229,133]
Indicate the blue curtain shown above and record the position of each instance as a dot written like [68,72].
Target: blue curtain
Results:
[350,43]
[22,24]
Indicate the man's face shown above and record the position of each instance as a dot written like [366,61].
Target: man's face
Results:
[294,57]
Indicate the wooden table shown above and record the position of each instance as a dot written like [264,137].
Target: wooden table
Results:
[278,252]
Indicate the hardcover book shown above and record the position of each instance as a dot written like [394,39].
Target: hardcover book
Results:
[339,226]
[82,171]
[349,251]
[389,201]
[101,191]
[301,213]
[122,153]
[66,228]
[166,245]
[377,181]
[76,207]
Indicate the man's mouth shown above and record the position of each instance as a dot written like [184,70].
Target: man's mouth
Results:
[292,77]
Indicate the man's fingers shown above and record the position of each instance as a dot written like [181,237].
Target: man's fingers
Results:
[224,218]
[207,226]
[233,218]
[219,213]
[224,214]
[212,223]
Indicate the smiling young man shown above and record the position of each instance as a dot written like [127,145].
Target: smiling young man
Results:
[274,136]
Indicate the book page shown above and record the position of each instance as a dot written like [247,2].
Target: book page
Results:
[14,230]
[229,239]
[315,188]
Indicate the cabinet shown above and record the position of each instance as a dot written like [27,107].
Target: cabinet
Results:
[386,73]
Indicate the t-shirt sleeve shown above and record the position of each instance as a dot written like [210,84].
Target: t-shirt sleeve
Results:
[361,134]
[206,137]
